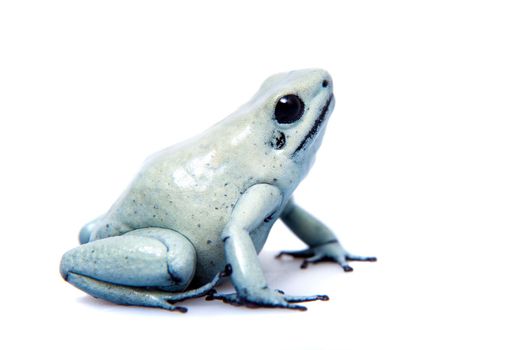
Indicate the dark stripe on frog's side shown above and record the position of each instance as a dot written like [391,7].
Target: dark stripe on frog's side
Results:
[317,124]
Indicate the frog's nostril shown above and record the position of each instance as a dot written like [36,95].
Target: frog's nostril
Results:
[325,83]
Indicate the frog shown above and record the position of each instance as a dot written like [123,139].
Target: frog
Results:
[201,211]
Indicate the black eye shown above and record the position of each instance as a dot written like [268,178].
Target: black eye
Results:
[289,108]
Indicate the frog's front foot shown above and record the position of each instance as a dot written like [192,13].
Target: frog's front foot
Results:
[331,251]
[266,297]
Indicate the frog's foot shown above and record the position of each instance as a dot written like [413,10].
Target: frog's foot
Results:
[125,295]
[266,298]
[147,267]
[331,251]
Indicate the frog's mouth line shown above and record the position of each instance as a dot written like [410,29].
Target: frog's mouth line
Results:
[317,124]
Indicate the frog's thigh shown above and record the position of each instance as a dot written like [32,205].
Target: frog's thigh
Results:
[114,268]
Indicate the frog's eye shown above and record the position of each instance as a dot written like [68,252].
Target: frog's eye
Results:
[289,109]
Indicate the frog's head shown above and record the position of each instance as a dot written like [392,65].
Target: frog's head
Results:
[296,106]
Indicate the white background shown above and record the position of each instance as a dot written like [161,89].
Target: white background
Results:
[422,164]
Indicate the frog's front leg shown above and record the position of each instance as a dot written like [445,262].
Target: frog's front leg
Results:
[256,204]
[145,267]
[322,242]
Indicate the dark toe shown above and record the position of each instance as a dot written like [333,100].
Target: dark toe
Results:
[348,268]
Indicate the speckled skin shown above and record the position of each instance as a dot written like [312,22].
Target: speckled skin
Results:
[192,190]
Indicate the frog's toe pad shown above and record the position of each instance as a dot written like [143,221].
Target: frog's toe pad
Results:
[172,307]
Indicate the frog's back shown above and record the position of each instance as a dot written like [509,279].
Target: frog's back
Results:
[192,196]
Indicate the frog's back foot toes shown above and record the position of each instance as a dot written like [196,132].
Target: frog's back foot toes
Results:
[143,267]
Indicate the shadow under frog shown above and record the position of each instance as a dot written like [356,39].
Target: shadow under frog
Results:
[202,209]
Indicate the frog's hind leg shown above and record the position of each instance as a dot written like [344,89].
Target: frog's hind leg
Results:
[146,267]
